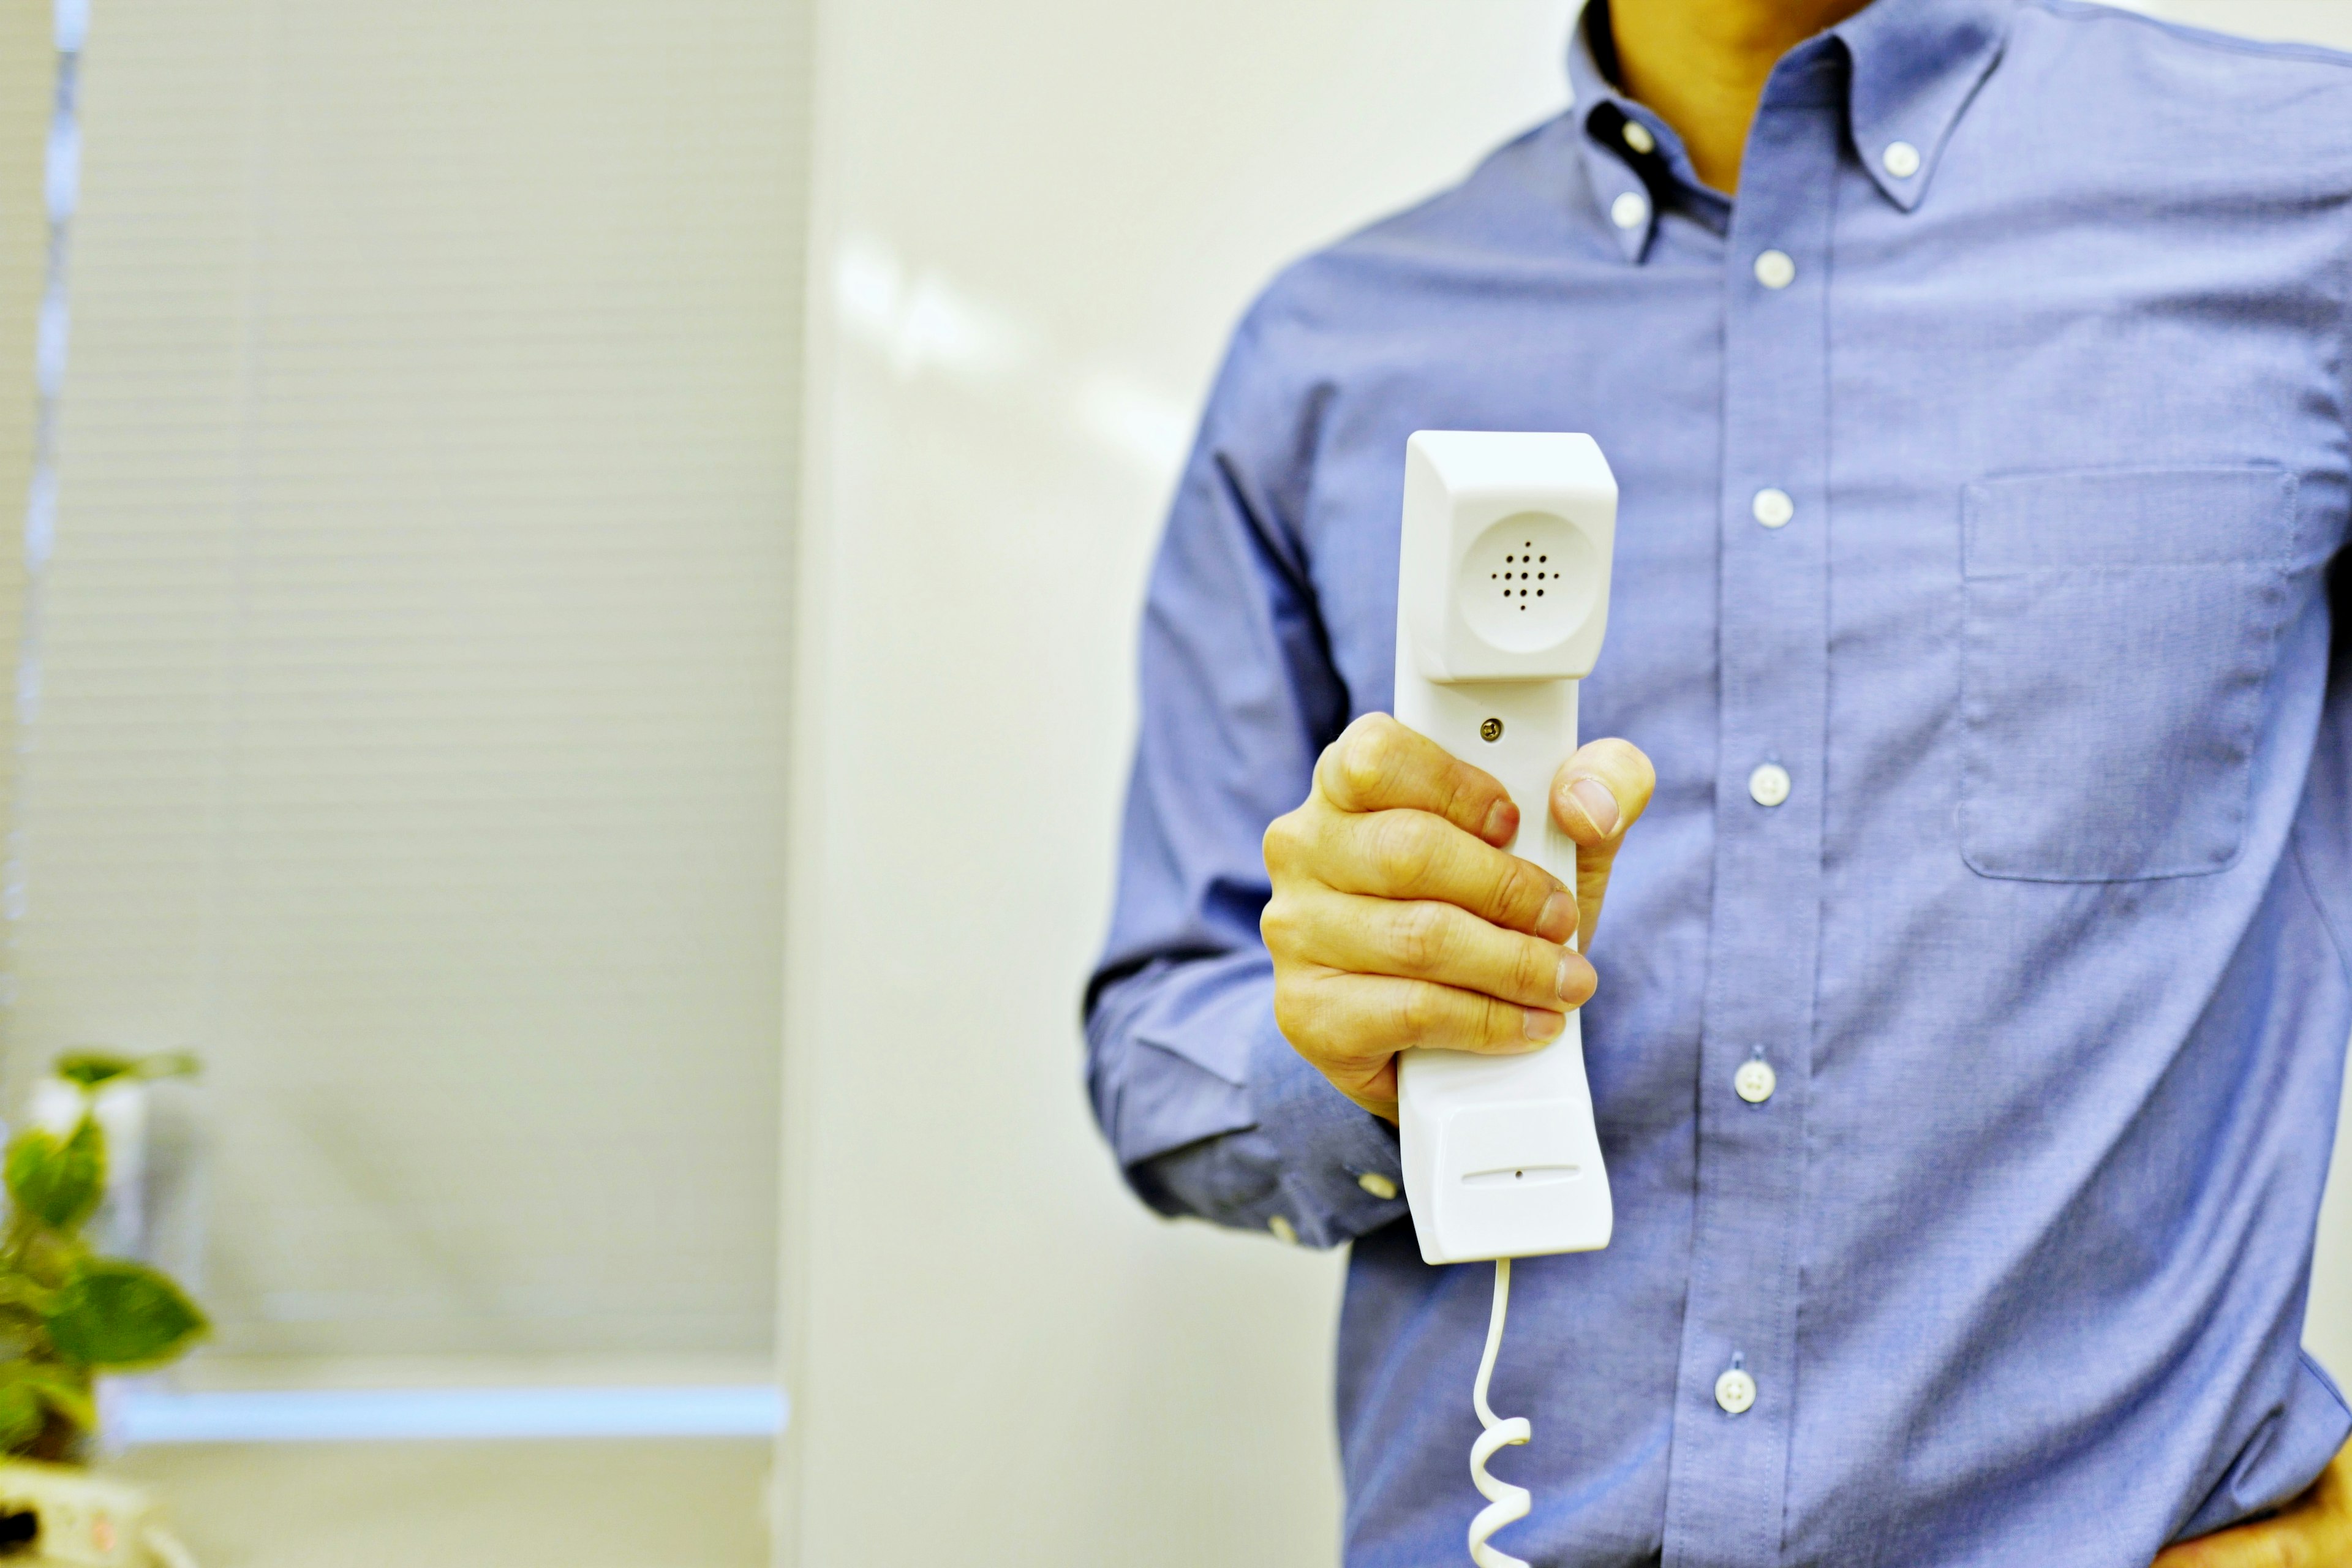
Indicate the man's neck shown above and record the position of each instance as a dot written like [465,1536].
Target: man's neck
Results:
[1702,65]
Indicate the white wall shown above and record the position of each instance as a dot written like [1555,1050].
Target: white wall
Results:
[1035,222]
[2326,22]
[2327,1324]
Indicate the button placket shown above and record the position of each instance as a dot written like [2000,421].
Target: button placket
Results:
[1728,1478]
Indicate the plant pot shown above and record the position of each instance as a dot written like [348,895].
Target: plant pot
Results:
[63,1515]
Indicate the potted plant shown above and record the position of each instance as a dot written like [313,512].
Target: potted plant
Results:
[65,1312]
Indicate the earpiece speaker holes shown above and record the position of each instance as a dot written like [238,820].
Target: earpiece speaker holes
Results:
[1517,596]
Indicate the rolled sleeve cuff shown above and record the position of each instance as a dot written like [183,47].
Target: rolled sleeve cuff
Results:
[1340,1175]
[1213,1114]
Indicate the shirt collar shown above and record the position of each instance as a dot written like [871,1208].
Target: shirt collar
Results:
[1915,66]
[1620,172]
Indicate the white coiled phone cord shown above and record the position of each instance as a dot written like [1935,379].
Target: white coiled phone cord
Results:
[1506,1504]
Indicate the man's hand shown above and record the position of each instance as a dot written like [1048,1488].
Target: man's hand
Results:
[1398,919]
[2314,1530]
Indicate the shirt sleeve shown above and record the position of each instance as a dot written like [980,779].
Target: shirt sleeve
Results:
[1208,1109]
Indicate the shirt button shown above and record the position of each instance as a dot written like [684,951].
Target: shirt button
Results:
[1736,1392]
[1283,1232]
[1901,160]
[1380,1186]
[1772,507]
[1629,211]
[1774,269]
[1638,137]
[1755,1082]
[1769,784]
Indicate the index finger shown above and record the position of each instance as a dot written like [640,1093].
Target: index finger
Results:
[1377,764]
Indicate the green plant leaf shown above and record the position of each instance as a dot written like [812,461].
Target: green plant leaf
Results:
[21,1293]
[62,1392]
[57,1181]
[46,1257]
[94,1069]
[91,1068]
[20,1416]
[51,1386]
[114,1313]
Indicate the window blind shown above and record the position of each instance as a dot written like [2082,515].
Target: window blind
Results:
[409,708]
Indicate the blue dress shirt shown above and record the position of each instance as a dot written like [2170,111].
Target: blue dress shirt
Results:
[2039,315]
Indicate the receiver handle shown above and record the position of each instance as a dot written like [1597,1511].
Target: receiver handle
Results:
[1501,1158]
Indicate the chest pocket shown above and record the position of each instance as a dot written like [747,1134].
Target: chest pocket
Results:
[2118,631]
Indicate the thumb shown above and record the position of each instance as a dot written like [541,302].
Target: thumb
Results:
[1596,795]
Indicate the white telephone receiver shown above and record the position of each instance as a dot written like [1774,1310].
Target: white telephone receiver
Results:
[1502,599]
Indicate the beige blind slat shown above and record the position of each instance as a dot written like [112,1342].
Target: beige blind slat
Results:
[410,728]
[27,87]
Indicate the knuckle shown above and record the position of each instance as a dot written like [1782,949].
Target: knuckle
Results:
[1537,969]
[1285,842]
[1419,1011]
[1421,937]
[1364,764]
[1278,924]
[1326,784]
[1404,849]
[1460,790]
[1499,1023]
[1520,890]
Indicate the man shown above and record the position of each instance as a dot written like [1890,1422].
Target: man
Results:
[1975,374]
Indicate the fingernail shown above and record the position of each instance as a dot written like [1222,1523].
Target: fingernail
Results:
[1543,1026]
[1502,821]
[1574,980]
[1598,802]
[1557,921]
